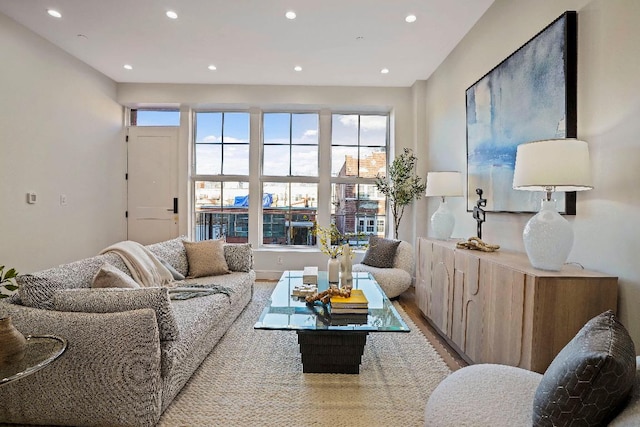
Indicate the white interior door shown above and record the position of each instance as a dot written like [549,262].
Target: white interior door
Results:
[152,184]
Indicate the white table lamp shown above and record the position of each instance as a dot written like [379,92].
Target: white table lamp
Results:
[551,165]
[443,184]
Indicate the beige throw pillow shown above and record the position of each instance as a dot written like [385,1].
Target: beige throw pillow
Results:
[206,258]
[111,277]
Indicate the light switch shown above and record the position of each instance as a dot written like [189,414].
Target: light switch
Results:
[63,200]
[32,198]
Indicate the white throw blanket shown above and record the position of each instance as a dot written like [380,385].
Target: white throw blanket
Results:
[145,268]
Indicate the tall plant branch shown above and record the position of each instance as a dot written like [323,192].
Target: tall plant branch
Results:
[401,186]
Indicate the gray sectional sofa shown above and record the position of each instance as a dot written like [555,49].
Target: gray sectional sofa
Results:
[129,351]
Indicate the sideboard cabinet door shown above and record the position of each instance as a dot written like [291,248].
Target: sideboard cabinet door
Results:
[497,308]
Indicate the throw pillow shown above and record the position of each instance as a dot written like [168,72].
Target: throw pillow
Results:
[36,291]
[112,300]
[381,252]
[176,275]
[588,382]
[110,277]
[239,256]
[206,258]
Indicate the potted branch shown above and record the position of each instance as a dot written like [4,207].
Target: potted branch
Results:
[401,185]
[7,281]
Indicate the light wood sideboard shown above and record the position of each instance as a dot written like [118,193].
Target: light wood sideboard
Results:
[496,308]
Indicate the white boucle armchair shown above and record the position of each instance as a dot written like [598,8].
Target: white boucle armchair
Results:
[397,279]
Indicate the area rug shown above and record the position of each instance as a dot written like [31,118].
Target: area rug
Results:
[254,378]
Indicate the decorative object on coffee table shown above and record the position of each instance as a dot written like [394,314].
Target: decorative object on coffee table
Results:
[549,166]
[330,240]
[346,266]
[443,184]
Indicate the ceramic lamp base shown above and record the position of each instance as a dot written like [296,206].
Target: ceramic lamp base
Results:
[548,238]
[442,222]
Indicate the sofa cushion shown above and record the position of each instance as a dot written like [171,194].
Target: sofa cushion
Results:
[206,258]
[239,257]
[110,277]
[588,382]
[173,252]
[381,252]
[112,300]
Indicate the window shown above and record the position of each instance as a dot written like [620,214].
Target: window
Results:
[290,144]
[289,176]
[149,117]
[358,155]
[290,152]
[222,143]
[221,157]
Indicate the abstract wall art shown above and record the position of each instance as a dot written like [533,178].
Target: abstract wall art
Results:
[529,96]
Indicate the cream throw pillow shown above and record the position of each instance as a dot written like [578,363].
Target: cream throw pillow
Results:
[111,277]
[206,258]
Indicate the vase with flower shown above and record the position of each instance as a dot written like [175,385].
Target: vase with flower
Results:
[332,243]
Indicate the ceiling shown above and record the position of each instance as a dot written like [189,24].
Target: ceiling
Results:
[336,42]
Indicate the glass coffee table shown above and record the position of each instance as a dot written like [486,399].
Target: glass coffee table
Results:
[329,343]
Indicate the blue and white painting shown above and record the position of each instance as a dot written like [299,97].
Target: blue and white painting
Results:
[522,99]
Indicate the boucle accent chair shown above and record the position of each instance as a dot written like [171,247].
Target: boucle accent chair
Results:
[398,278]
[593,381]
[124,364]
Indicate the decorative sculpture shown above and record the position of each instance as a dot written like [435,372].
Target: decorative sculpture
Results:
[478,213]
[346,276]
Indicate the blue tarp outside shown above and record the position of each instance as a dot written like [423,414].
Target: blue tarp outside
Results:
[243,201]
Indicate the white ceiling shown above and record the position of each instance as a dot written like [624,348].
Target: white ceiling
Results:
[336,42]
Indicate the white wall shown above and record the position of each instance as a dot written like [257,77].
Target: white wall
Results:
[60,133]
[607,232]
[399,101]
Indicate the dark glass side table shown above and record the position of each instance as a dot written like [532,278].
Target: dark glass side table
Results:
[41,351]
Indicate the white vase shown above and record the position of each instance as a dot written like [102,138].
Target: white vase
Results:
[443,222]
[548,238]
[333,270]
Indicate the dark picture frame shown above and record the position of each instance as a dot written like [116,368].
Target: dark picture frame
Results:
[531,95]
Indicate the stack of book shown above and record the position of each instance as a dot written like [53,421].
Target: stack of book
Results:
[357,303]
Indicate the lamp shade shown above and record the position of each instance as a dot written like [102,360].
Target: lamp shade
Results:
[553,165]
[550,165]
[444,184]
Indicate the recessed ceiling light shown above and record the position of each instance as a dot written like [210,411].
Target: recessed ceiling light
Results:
[384,71]
[212,67]
[128,67]
[54,13]
[410,18]
[297,68]
[171,14]
[290,14]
